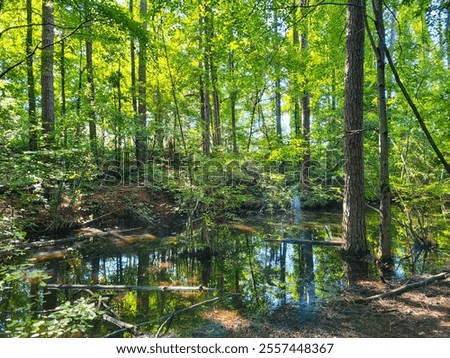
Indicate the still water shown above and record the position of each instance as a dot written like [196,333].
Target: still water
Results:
[240,260]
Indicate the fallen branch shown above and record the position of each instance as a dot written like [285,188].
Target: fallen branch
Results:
[307,242]
[405,288]
[128,288]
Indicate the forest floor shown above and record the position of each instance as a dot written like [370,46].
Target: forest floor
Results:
[423,312]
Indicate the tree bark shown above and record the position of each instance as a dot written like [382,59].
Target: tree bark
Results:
[353,220]
[47,81]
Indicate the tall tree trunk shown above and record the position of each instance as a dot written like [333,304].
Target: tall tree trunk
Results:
[233,98]
[306,109]
[277,89]
[62,67]
[47,85]
[33,131]
[295,84]
[447,35]
[384,248]
[79,90]
[353,221]
[133,67]
[204,82]
[91,97]
[134,103]
[141,135]
[119,108]
[209,36]
[278,108]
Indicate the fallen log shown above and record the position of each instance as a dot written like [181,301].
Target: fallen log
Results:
[93,233]
[307,242]
[128,288]
[405,288]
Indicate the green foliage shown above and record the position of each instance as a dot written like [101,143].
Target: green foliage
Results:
[21,292]
[68,320]
[50,180]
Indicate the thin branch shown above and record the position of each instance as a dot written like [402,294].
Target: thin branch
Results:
[38,24]
[17,27]
[38,47]
[413,107]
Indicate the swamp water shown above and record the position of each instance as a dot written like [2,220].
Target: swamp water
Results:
[243,261]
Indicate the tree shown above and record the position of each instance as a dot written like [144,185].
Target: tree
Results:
[91,94]
[204,77]
[209,32]
[33,132]
[353,221]
[385,245]
[277,84]
[306,109]
[141,135]
[47,85]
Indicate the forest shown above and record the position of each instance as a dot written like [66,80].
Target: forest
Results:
[224,168]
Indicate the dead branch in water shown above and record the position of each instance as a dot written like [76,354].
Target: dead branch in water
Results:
[128,288]
[307,242]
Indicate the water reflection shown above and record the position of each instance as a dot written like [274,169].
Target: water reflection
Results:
[234,257]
